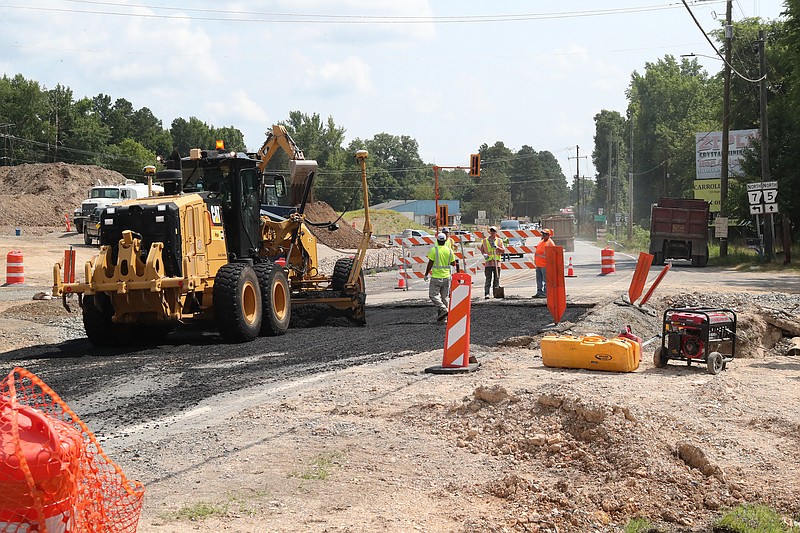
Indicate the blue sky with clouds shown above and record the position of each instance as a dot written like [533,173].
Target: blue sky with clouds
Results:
[451,74]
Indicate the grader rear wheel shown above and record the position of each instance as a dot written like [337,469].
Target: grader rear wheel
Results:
[97,314]
[341,273]
[237,303]
[275,299]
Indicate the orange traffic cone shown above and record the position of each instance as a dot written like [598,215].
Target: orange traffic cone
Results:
[401,278]
[570,270]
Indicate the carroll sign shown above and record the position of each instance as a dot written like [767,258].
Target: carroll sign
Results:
[708,190]
[708,152]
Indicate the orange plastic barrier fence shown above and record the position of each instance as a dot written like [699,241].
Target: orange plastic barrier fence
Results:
[54,477]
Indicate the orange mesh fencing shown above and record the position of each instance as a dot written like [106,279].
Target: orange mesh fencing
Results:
[54,477]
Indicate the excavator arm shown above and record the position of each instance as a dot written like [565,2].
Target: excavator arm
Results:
[299,166]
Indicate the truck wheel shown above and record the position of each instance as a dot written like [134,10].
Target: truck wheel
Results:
[714,363]
[275,299]
[86,239]
[659,360]
[341,273]
[97,314]
[237,303]
[658,258]
[79,226]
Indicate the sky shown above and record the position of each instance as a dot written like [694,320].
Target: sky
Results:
[453,75]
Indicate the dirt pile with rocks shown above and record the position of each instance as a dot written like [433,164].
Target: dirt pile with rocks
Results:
[41,194]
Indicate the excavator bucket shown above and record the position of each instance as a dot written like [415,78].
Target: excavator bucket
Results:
[300,169]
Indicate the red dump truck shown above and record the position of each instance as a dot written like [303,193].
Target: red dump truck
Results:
[563,228]
[679,230]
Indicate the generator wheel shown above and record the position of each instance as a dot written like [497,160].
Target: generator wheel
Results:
[341,273]
[275,299]
[659,359]
[714,363]
[237,302]
[97,314]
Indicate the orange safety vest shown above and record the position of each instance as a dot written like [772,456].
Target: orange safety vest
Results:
[539,257]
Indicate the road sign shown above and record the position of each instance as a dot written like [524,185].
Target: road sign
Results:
[754,197]
[762,185]
[756,209]
[770,208]
[721,227]
[770,196]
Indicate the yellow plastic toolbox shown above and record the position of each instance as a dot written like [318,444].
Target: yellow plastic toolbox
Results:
[591,353]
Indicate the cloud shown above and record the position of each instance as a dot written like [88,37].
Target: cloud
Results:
[351,75]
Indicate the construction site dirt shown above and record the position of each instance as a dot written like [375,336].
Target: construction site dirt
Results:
[335,427]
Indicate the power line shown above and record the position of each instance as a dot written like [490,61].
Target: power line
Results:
[221,14]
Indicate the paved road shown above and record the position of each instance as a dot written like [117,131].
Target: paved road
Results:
[590,286]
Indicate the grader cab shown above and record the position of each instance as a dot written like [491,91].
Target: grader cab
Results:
[213,248]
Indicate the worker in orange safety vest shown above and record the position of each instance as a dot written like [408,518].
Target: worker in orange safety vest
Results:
[539,262]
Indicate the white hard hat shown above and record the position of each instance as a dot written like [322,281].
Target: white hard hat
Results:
[441,237]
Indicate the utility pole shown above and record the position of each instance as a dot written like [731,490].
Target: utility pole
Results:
[726,111]
[578,186]
[769,229]
[630,184]
[608,180]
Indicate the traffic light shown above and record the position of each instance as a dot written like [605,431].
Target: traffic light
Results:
[475,165]
[443,216]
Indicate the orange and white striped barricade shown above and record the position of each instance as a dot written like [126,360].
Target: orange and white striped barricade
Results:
[607,265]
[413,256]
[15,268]
[456,341]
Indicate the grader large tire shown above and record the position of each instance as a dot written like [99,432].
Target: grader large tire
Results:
[97,314]
[276,302]
[341,273]
[237,303]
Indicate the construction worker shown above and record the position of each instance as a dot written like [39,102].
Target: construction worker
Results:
[452,244]
[539,262]
[440,259]
[492,249]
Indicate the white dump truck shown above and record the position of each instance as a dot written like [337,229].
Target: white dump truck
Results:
[105,195]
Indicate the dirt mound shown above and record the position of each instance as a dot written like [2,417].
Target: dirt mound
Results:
[561,444]
[41,194]
[347,237]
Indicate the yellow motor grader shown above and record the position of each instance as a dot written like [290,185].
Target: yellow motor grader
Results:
[215,247]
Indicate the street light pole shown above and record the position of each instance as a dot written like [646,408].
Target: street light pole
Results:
[726,111]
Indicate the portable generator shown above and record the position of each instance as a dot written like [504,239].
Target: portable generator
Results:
[698,335]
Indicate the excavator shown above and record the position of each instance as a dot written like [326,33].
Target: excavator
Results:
[215,247]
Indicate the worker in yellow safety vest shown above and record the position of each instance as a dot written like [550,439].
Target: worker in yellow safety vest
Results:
[540,263]
[492,249]
[452,244]
[440,259]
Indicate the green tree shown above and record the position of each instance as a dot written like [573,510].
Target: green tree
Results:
[234,138]
[128,157]
[610,156]
[491,190]
[149,131]
[193,133]
[26,105]
[88,138]
[669,103]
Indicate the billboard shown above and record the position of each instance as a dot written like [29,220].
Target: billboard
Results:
[708,152]
[708,190]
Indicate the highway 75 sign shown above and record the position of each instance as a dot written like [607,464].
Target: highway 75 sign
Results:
[762,197]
